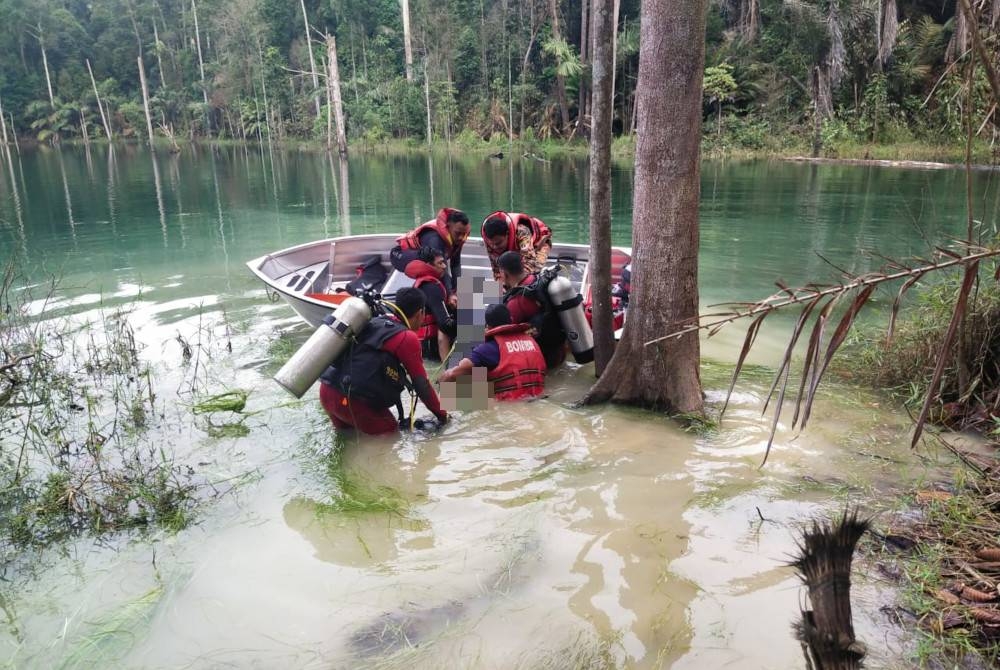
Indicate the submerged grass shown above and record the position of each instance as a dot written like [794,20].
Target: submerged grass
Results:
[114,635]
[357,494]
[76,405]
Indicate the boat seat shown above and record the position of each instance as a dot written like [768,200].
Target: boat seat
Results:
[301,281]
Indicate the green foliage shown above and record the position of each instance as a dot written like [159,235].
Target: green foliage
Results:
[479,55]
[904,367]
[719,84]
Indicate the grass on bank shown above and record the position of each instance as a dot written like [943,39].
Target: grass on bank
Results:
[944,558]
[740,138]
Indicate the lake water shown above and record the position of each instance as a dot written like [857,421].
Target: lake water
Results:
[533,536]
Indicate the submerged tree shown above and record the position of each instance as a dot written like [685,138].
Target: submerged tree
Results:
[664,375]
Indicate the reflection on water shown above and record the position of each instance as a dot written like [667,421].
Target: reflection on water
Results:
[532,535]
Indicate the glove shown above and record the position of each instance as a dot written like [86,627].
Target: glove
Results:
[442,417]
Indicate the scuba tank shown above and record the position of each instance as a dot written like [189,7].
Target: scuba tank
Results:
[323,346]
[566,302]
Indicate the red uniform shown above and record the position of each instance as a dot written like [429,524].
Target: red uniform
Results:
[363,414]
[521,372]
[548,332]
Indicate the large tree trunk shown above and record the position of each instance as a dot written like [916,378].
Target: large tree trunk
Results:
[145,100]
[201,66]
[665,216]
[335,97]
[45,64]
[407,40]
[560,80]
[100,105]
[600,185]
[312,59]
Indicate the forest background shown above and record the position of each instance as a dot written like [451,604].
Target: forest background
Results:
[841,78]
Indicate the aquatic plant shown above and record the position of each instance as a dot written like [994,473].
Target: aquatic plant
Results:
[76,401]
[818,302]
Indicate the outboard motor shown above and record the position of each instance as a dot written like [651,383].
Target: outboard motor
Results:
[567,303]
[323,346]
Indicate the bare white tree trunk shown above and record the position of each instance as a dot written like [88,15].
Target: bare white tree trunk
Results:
[201,62]
[45,64]
[334,84]
[427,99]
[100,105]
[312,59]
[13,133]
[3,124]
[407,40]
[159,58]
[83,129]
[145,99]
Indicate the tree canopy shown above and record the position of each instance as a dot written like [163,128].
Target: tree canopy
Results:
[871,70]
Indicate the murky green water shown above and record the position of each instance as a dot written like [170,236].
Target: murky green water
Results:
[536,535]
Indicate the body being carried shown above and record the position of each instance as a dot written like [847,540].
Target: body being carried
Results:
[514,363]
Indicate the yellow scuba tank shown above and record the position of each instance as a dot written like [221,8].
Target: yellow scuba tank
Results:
[323,346]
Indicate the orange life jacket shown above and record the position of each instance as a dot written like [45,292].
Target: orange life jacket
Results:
[540,233]
[411,240]
[521,371]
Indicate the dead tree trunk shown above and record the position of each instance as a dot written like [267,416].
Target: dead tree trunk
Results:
[312,59]
[334,84]
[145,100]
[407,40]
[664,375]
[100,105]
[201,62]
[600,186]
[586,38]
[45,64]
[824,564]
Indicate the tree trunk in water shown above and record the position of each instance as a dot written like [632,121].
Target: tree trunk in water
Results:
[100,105]
[312,60]
[600,186]
[407,40]
[427,99]
[334,84]
[145,100]
[83,129]
[585,55]
[159,58]
[817,144]
[3,124]
[45,64]
[560,80]
[201,67]
[665,224]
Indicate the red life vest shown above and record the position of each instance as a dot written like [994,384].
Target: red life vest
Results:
[411,241]
[540,233]
[521,372]
[429,327]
